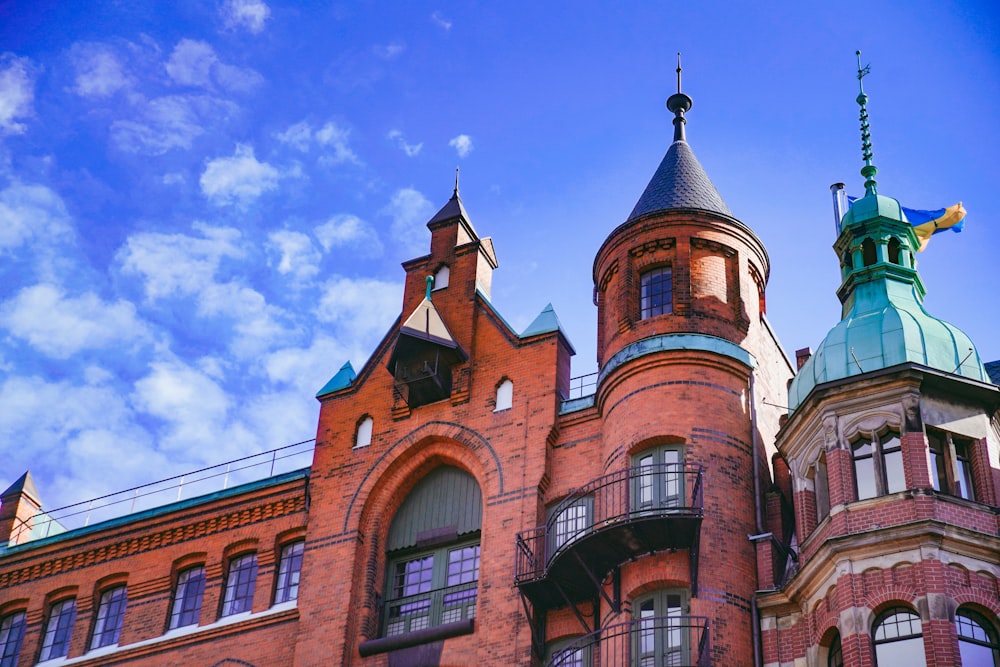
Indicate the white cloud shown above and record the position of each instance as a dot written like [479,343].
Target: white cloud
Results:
[31,212]
[60,326]
[390,50]
[409,210]
[334,137]
[362,309]
[99,73]
[248,14]
[462,144]
[17,92]
[256,327]
[195,63]
[411,150]
[164,123]
[351,231]
[298,136]
[441,21]
[239,179]
[178,264]
[298,256]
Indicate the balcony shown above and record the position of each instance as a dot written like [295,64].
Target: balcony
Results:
[674,641]
[613,519]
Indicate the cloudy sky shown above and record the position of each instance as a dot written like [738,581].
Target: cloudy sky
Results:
[204,204]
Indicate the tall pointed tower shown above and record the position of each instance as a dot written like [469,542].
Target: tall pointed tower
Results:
[891,439]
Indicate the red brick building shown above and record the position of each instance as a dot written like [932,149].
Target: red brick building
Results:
[465,506]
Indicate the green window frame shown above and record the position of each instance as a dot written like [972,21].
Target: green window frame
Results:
[660,638]
[431,588]
[573,520]
[658,479]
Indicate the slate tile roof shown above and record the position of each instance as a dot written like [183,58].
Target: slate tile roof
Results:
[679,182]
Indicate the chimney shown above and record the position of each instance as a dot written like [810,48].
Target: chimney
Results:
[18,506]
[802,356]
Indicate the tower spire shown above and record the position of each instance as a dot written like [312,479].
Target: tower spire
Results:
[679,103]
[455,194]
[869,170]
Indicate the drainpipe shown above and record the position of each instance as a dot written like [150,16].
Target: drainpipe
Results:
[758,516]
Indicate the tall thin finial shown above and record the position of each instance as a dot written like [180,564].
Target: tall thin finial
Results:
[456,183]
[678,71]
[869,170]
[679,103]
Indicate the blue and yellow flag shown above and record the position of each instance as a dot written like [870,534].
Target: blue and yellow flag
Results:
[928,223]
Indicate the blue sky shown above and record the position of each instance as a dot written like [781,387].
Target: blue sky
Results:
[204,205]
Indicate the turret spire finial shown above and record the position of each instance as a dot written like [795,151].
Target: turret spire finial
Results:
[869,170]
[455,194]
[679,103]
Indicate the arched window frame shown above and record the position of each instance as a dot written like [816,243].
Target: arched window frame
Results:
[978,638]
[112,601]
[442,277]
[13,622]
[659,479]
[363,432]
[897,638]
[659,635]
[60,620]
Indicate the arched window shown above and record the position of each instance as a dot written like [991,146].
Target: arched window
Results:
[894,250]
[505,396]
[835,656]
[657,292]
[58,630]
[11,635]
[441,278]
[658,479]
[661,636]
[868,255]
[363,437]
[433,554]
[848,260]
[110,617]
[977,639]
[568,653]
[898,639]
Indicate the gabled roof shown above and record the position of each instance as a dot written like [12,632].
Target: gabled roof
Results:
[679,182]
[425,323]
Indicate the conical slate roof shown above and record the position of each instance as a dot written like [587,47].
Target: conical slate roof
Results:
[679,182]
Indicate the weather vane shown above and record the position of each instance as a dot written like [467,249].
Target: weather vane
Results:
[869,170]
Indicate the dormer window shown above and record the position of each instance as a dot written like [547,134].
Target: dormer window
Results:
[657,292]
[441,278]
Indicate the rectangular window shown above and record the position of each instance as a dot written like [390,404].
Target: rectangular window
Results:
[878,465]
[657,292]
[432,589]
[187,598]
[951,464]
[964,488]
[58,630]
[240,584]
[288,572]
[658,479]
[11,636]
[821,487]
[110,616]
[570,521]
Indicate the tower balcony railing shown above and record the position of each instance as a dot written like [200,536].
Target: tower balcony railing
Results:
[656,641]
[614,518]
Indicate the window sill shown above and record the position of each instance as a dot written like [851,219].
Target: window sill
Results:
[446,631]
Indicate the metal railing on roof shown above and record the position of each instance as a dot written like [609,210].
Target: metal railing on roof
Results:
[191,484]
[582,385]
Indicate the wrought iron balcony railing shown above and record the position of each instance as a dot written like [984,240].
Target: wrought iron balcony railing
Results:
[616,506]
[656,641]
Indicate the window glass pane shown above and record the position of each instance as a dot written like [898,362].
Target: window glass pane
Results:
[571,522]
[240,585]
[59,629]
[965,488]
[11,635]
[835,658]
[289,571]
[937,447]
[187,598]
[414,576]
[864,469]
[977,640]
[463,565]
[656,296]
[892,457]
[898,639]
[908,652]
[110,616]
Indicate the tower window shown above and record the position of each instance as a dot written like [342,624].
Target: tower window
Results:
[661,636]
[977,639]
[878,465]
[894,250]
[58,630]
[898,639]
[658,479]
[657,292]
[110,616]
[868,256]
[951,464]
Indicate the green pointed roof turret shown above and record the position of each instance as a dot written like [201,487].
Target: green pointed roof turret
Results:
[883,320]
[343,379]
[679,182]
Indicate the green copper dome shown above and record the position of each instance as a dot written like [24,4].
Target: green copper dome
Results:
[884,322]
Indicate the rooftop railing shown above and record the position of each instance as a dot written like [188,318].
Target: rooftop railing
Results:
[582,385]
[199,482]
[678,641]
